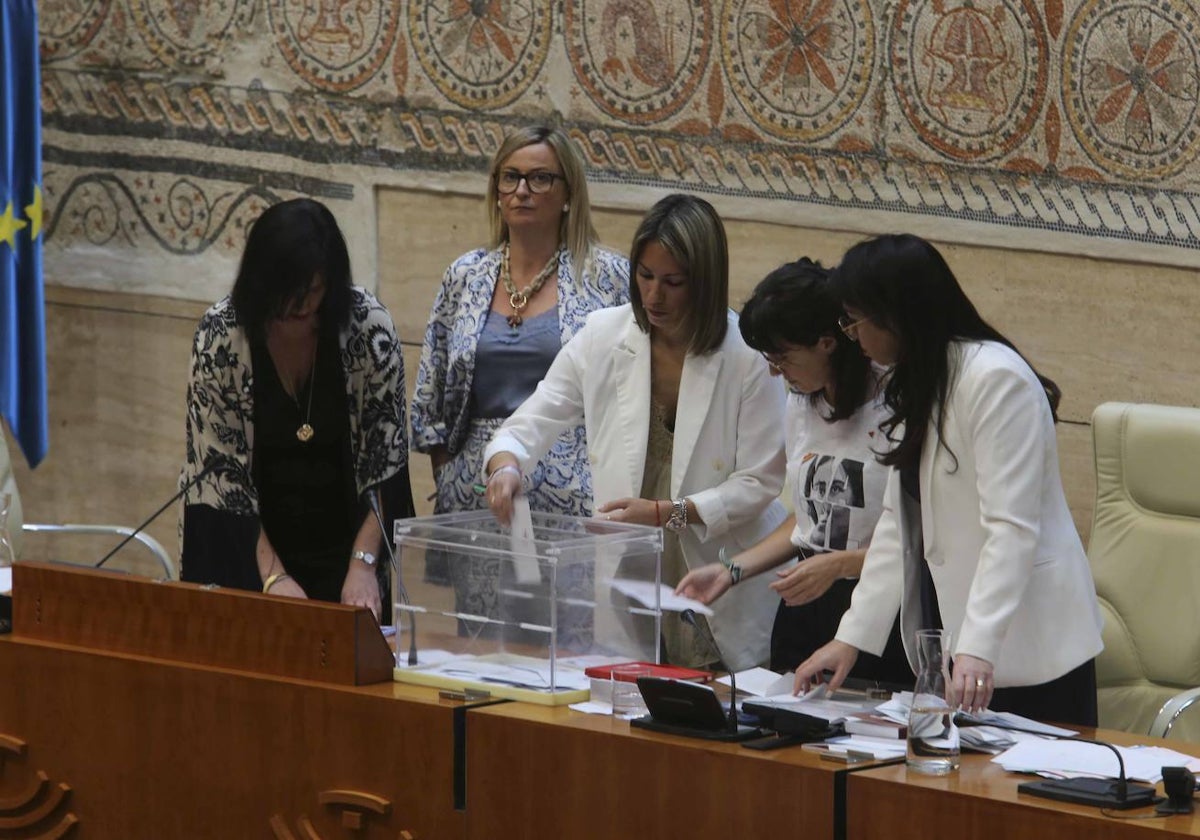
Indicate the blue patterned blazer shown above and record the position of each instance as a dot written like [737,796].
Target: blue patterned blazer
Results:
[442,396]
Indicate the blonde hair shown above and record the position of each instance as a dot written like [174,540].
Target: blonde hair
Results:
[691,231]
[575,229]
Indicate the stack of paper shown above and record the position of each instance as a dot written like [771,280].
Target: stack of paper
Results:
[1067,759]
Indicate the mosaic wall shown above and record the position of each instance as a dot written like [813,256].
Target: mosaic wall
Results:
[1049,124]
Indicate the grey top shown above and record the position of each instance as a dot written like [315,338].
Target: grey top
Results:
[509,363]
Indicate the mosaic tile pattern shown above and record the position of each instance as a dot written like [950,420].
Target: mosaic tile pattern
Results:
[1052,116]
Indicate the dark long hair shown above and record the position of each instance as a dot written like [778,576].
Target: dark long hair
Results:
[795,305]
[290,244]
[903,284]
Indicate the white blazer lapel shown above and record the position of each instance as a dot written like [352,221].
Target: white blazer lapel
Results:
[631,370]
[696,387]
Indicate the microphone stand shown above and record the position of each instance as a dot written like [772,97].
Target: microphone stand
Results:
[689,617]
[1090,791]
[401,591]
[209,467]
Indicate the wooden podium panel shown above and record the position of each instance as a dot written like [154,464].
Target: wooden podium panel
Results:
[539,772]
[981,802]
[186,622]
[153,749]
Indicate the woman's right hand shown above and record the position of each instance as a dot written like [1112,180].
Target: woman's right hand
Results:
[706,584]
[502,487]
[835,656]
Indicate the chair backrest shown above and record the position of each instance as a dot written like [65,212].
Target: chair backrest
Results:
[1145,557]
[8,484]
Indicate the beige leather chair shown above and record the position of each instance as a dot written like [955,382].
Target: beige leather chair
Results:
[17,527]
[1145,557]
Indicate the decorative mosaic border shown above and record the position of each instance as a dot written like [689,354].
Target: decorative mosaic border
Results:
[319,131]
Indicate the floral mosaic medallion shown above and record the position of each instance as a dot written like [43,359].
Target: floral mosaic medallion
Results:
[801,68]
[480,53]
[1130,84]
[334,45]
[970,75]
[67,26]
[639,62]
[188,33]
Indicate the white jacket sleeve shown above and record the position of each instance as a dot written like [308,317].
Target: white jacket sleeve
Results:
[1008,418]
[876,599]
[759,461]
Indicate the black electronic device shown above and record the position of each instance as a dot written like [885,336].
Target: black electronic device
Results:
[802,727]
[1180,785]
[689,617]
[1118,794]
[680,707]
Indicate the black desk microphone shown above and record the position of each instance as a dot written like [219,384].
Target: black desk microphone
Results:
[1119,795]
[214,462]
[401,592]
[689,617]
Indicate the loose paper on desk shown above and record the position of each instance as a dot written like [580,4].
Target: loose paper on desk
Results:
[819,703]
[5,580]
[760,682]
[642,591]
[1075,758]
[524,549]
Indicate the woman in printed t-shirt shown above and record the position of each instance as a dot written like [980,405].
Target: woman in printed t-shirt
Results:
[832,433]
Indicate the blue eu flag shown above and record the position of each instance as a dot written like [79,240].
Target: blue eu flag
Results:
[22,308]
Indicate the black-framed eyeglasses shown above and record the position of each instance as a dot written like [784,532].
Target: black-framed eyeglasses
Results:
[538,181]
[849,326]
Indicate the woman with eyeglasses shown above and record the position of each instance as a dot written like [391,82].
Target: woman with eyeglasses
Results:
[500,318]
[975,535]
[683,422]
[834,408]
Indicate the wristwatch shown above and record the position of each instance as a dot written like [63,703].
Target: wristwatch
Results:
[365,556]
[677,521]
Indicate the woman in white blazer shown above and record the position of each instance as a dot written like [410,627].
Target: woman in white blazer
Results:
[683,420]
[975,534]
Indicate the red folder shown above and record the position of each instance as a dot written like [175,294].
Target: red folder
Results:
[671,672]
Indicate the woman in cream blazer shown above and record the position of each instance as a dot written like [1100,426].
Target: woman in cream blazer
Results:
[975,440]
[727,461]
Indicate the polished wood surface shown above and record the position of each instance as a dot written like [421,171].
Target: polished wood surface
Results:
[981,801]
[537,772]
[154,749]
[185,622]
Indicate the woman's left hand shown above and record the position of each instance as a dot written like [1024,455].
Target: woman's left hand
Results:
[361,587]
[809,579]
[971,683]
[636,511]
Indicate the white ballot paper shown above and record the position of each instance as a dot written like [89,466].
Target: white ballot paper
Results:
[642,591]
[521,543]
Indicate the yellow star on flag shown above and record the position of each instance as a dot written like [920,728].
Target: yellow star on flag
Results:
[9,226]
[33,212]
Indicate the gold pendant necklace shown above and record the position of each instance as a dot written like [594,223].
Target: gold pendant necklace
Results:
[305,433]
[518,299]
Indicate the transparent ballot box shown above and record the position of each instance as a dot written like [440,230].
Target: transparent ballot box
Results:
[521,616]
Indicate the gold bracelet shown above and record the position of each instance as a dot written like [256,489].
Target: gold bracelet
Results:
[274,579]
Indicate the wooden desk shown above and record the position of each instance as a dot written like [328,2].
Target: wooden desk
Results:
[981,802]
[154,749]
[170,710]
[537,772]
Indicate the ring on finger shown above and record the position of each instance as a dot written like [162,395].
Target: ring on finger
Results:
[980,682]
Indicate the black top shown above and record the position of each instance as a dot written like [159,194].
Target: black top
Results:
[307,498]
[931,614]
